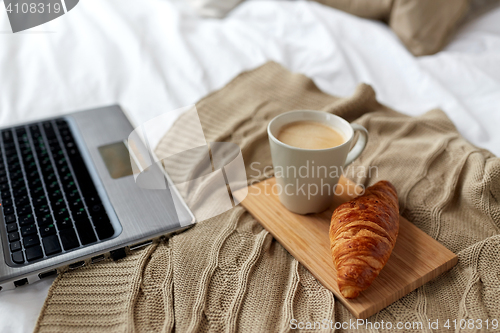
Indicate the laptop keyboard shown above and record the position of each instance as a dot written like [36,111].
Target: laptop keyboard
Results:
[49,201]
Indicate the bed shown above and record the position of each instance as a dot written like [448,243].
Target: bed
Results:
[155,56]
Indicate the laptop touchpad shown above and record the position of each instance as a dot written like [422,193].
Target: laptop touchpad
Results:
[117,159]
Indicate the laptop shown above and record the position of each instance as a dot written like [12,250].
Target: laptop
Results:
[68,197]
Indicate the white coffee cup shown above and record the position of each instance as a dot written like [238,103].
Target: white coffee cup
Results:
[311,192]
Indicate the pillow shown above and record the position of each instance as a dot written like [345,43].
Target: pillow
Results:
[479,7]
[371,9]
[424,26]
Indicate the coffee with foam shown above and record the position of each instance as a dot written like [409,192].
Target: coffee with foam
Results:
[310,135]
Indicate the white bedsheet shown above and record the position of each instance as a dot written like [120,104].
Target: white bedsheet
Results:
[152,56]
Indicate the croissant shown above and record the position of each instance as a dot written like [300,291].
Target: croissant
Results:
[363,233]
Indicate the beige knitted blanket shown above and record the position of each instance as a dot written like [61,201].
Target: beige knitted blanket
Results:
[228,274]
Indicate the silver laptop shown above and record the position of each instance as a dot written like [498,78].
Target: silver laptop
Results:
[69,197]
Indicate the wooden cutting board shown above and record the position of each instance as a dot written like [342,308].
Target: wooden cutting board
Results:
[416,259]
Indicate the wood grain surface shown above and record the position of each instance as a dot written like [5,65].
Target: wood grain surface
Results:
[416,259]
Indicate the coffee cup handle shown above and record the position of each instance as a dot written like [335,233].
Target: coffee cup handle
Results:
[360,144]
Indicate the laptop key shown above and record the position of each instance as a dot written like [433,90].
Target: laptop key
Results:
[33,176]
[50,177]
[72,195]
[9,145]
[45,219]
[49,131]
[64,131]
[61,214]
[7,201]
[27,158]
[47,230]
[65,224]
[48,168]
[26,210]
[51,245]
[34,253]
[79,213]
[69,239]
[53,186]
[18,184]
[7,135]
[13,158]
[13,237]
[40,200]
[20,131]
[76,204]
[14,166]
[58,204]
[85,231]
[20,192]
[24,145]
[10,219]
[26,219]
[7,210]
[18,257]
[63,169]
[28,230]
[56,194]
[67,177]
[5,194]
[30,166]
[103,227]
[61,123]
[31,241]
[21,200]
[16,174]
[36,190]
[16,246]
[42,210]
[11,227]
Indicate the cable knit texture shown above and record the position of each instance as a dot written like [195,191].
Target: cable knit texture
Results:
[228,274]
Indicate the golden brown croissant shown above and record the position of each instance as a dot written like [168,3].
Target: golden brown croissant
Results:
[363,233]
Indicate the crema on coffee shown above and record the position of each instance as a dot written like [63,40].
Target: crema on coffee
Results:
[310,135]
